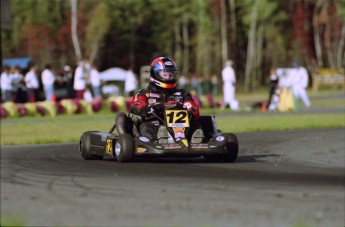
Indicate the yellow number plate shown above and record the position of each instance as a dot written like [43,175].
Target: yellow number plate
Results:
[109,146]
[177,118]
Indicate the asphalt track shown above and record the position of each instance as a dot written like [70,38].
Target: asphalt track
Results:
[285,178]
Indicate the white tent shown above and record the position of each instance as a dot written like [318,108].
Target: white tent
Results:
[113,79]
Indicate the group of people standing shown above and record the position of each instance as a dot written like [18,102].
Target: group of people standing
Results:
[16,87]
[86,84]
[294,82]
[87,81]
[287,87]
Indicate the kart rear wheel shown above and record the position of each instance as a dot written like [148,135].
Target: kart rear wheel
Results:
[231,147]
[85,147]
[124,148]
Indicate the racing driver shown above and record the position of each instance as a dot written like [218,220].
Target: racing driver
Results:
[161,91]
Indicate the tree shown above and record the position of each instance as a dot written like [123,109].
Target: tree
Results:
[96,29]
[224,46]
[251,47]
[203,50]
[74,33]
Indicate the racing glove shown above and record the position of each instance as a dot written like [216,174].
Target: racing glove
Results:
[192,109]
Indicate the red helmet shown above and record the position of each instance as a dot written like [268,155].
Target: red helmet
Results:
[163,73]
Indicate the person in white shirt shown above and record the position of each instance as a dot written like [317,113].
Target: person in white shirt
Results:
[18,87]
[6,85]
[131,83]
[229,81]
[79,84]
[299,82]
[32,84]
[95,80]
[48,80]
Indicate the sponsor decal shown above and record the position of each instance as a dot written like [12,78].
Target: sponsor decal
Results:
[177,93]
[178,125]
[141,149]
[200,146]
[155,123]
[144,139]
[154,95]
[152,101]
[220,138]
[109,146]
[160,147]
[179,133]
[168,63]
[172,146]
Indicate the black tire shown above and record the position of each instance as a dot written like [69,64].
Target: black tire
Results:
[231,147]
[124,148]
[85,147]
[231,150]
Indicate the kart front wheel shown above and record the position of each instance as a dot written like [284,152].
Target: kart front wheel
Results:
[231,147]
[231,150]
[124,148]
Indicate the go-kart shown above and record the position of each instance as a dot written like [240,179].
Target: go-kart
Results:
[175,122]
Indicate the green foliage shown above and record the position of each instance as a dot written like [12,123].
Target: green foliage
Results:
[340,5]
[120,32]
[96,29]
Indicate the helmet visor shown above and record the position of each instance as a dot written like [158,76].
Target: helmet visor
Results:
[167,75]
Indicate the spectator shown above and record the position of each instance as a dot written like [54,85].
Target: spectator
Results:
[32,84]
[131,83]
[214,85]
[195,83]
[299,82]
[182,82]
[95,80]
[18,84]
[80,80]
[67,77]
[286,98]
[6,85]
[273,95]
[48,80]
[229,81]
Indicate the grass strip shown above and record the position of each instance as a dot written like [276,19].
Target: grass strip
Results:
[69,128]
